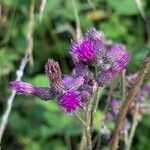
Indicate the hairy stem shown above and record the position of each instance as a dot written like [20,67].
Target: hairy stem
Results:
[130,98]
[133,128]
[88,126]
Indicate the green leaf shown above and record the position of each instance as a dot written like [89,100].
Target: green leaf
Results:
[124,7]
[98,119]
[40,80]
[48,105]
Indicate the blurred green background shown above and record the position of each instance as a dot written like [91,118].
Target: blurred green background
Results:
[35,124]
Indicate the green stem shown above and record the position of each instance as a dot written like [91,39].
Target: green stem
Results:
[80,119]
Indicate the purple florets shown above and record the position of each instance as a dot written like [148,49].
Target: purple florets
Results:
[83,51]
[22,87]
[43,93]
[71,101]
[115,106]
[105,77]
[116,60]
[92,52]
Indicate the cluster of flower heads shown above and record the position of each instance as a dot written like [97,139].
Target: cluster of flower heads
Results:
[72,92]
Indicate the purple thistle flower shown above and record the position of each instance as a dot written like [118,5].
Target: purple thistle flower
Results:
[147,87]
[115,52]
[121,63]
[96,36]
[131,78]
[20,87]
[105,77]
[70,101]
[127,125]
[115,106]
[75,83]
[67,80]
[82,70]
[99,44]
[143,93]
[118,57]
[83,51]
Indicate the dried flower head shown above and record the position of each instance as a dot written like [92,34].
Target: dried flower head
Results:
[53,72]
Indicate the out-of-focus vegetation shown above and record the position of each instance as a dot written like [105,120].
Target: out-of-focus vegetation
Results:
[35,124]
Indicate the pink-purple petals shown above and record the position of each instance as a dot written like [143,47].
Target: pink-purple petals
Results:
[44,93]
[88,53]
[22,87]
[83,51]
[70,101]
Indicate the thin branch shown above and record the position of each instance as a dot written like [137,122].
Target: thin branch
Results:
[123,73]
[129,100]
[80,119]
[42,7]
[78,28]
[29,35]
[10,100]
[147,22]
[133,127]
[20,71]
[88,131]
[108,101]
[91,4]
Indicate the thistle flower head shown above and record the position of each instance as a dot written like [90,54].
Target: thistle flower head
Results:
[115,52]
[115,106]
[130,79]
[75,83]
[143,93]
[147,87]
[53,72]
[121,63]
[96,36]
[82,70]
[67,79]
[105,77]
[22,87]
[70,101]
[43,93]
[127,125]
[83,51]
[118,57]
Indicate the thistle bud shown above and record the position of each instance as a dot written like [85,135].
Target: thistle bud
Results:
[53,72]
[20,87]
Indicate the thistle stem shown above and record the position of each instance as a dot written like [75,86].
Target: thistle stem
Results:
[133,128]
[88,126]
[80,119]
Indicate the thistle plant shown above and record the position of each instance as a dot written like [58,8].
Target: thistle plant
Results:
[96,64]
